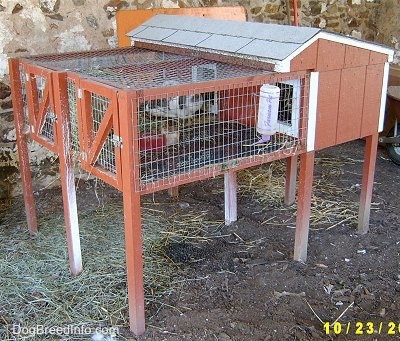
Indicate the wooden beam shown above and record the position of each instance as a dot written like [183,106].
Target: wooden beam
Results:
[304,205]
[230,192]
[132,217]
[66,166]
[367,182]
[22,145]
[290,180]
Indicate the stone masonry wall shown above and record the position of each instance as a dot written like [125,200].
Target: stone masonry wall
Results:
[29,27]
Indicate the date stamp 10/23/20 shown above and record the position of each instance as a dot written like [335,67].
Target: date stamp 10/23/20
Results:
[389,328]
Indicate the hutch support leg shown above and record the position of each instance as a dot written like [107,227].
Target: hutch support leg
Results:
[134,261]
[304,205]
[22,145]
[67,173]
[367,182]
[230,191]
[132,215]
[290,182]
[173,191]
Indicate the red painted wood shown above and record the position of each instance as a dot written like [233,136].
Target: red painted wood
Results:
[66,167]
[372,99]
[327,108]
[367,182]
[290,180]
[351,101]
[377,58]
[22,144]
[355,56]
[132,216]
[304,206]
[306,60]
[330,55]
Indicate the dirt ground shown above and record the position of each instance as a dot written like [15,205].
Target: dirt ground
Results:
[244,284]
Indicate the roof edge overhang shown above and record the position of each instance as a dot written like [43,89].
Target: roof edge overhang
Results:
[337,38]
[216,55]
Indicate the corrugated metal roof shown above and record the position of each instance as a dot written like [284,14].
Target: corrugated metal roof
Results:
[270,43]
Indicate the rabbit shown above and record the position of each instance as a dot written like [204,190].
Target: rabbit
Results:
[182,107]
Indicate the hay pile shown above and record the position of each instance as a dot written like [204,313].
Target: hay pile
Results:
[36,288]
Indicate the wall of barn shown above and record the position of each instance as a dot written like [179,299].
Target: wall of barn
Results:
[50,26]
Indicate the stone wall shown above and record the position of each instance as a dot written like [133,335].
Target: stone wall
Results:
[50,26]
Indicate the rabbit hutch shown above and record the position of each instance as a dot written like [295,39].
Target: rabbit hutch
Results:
[194,98]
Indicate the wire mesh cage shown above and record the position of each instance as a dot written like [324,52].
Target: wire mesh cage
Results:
[201,131]
[193,117]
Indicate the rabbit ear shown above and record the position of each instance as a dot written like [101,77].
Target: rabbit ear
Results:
[182,101]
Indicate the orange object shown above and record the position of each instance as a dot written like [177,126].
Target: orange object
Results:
[127,20]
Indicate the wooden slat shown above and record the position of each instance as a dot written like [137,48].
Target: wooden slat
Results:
[22,144]
[355,56]
[350,104]
[127,20]
[372,99]
[377,58]
[327,108]
[306,60]
[330,55]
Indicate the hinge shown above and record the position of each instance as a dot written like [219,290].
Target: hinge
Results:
[83,156]
[80,93]
[27,78]
[117,140]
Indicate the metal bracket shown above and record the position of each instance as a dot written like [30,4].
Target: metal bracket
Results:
[117,141]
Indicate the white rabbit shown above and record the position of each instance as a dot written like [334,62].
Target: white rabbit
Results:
[178,107]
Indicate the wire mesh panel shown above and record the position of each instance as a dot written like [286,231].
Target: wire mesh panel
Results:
[22,76]
[39,105]
[106,157]
[135,68]
[198,132]
[73,113]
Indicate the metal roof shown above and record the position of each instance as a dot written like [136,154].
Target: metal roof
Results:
[270,43]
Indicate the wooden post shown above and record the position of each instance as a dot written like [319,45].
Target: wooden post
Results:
[22,145]
[367,182]
[230,191]
[173,191]
[290,181]
[132,216]
[67,172]
[304,205]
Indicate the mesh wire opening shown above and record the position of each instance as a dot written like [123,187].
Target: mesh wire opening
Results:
[135,68]
[106,158]
[73,114]
[212,129]
[22,77]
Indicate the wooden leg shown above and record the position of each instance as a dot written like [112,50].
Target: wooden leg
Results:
[290,183]
[132,216]
[304,205]
[367,182]
[134,261]
[173,191]
[230,191]
[67,174]
[22,145]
